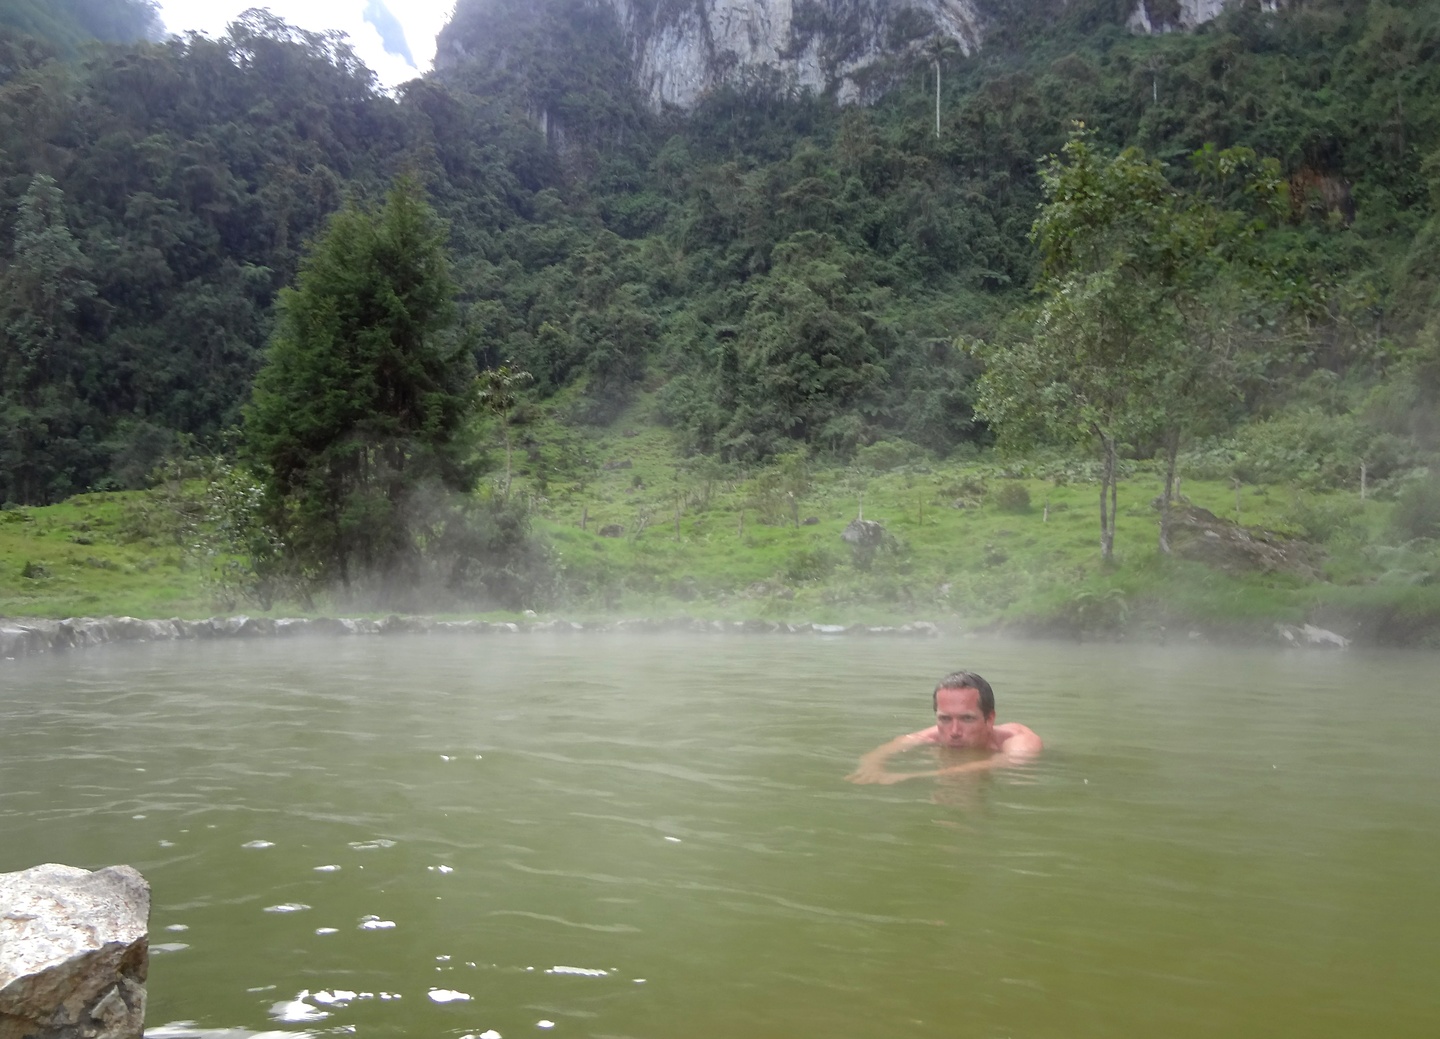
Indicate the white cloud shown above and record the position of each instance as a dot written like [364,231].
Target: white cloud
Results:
[422,19]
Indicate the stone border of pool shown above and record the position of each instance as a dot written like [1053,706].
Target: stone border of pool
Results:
[29,637]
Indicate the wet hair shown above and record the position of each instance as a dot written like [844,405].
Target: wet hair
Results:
[966,680]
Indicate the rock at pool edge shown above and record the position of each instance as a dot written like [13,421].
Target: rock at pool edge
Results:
[74,953]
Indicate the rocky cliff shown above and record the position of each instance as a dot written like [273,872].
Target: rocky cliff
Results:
[681,49]
[1157,16]
[816,45]
[678,50]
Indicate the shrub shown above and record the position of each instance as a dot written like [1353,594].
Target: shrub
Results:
[1324,519]
[884,455]
[971,487]
[1013,497]
[810,564]
[1417,508]
[1312,447]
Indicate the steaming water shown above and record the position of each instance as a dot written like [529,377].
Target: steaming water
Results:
[652,838]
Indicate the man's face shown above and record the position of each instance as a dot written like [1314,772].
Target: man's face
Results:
[958,717]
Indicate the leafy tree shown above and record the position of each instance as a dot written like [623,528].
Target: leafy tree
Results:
[43,435]
[363,402]
[214,508]
[497,396]
[1134,338]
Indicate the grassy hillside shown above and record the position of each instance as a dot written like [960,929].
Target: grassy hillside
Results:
[972,542]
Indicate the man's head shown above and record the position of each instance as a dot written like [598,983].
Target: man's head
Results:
[964,710]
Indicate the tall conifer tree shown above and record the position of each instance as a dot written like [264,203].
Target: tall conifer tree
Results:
[363,402]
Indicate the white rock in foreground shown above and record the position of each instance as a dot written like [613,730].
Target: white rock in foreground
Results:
[74,953]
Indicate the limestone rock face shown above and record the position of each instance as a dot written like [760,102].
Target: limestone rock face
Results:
[683,50]
[1152,17]
[1160,16]
[74,953]
[680,50]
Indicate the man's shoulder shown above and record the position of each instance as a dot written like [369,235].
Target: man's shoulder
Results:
[1024,736]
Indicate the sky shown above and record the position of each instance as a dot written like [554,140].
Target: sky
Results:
[419,20]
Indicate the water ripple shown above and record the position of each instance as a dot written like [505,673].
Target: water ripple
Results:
[545,918]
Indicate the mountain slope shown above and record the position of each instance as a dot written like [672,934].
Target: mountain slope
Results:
[66,24]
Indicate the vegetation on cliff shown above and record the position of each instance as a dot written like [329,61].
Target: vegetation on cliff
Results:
[68,25]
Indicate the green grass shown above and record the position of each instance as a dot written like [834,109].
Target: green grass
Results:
[93,554]
[686,548]
[704,540]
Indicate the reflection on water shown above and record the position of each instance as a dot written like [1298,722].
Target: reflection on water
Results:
[653,838]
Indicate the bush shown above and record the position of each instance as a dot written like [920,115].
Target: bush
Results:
[1417,508]
[884,455]
[971,487]
[1324,519]
[1312,447]
[1013,497]
[812,564]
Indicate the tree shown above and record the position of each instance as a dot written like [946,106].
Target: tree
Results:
[497,396]
[364,398]
[940,48]
[43,421]
[1142,286]
[1226,299]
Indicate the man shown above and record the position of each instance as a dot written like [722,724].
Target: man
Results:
[964,720]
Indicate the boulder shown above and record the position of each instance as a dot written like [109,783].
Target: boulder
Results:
[922,629]
[74,953]
[330,626]
[254,628]
[201,629]
[18,640]
[398,625]
[865,538]
[1311,637]
[863,533]
[1199,534]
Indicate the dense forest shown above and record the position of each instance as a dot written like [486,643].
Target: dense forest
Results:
[775,269]
[68,25]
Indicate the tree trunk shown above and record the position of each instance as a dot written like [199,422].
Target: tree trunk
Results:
[505,494]
[1172,451]
[1107,500]
[937,97]
[1114,508]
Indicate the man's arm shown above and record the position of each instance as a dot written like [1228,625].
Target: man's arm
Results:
[1021,746]
[872,765]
